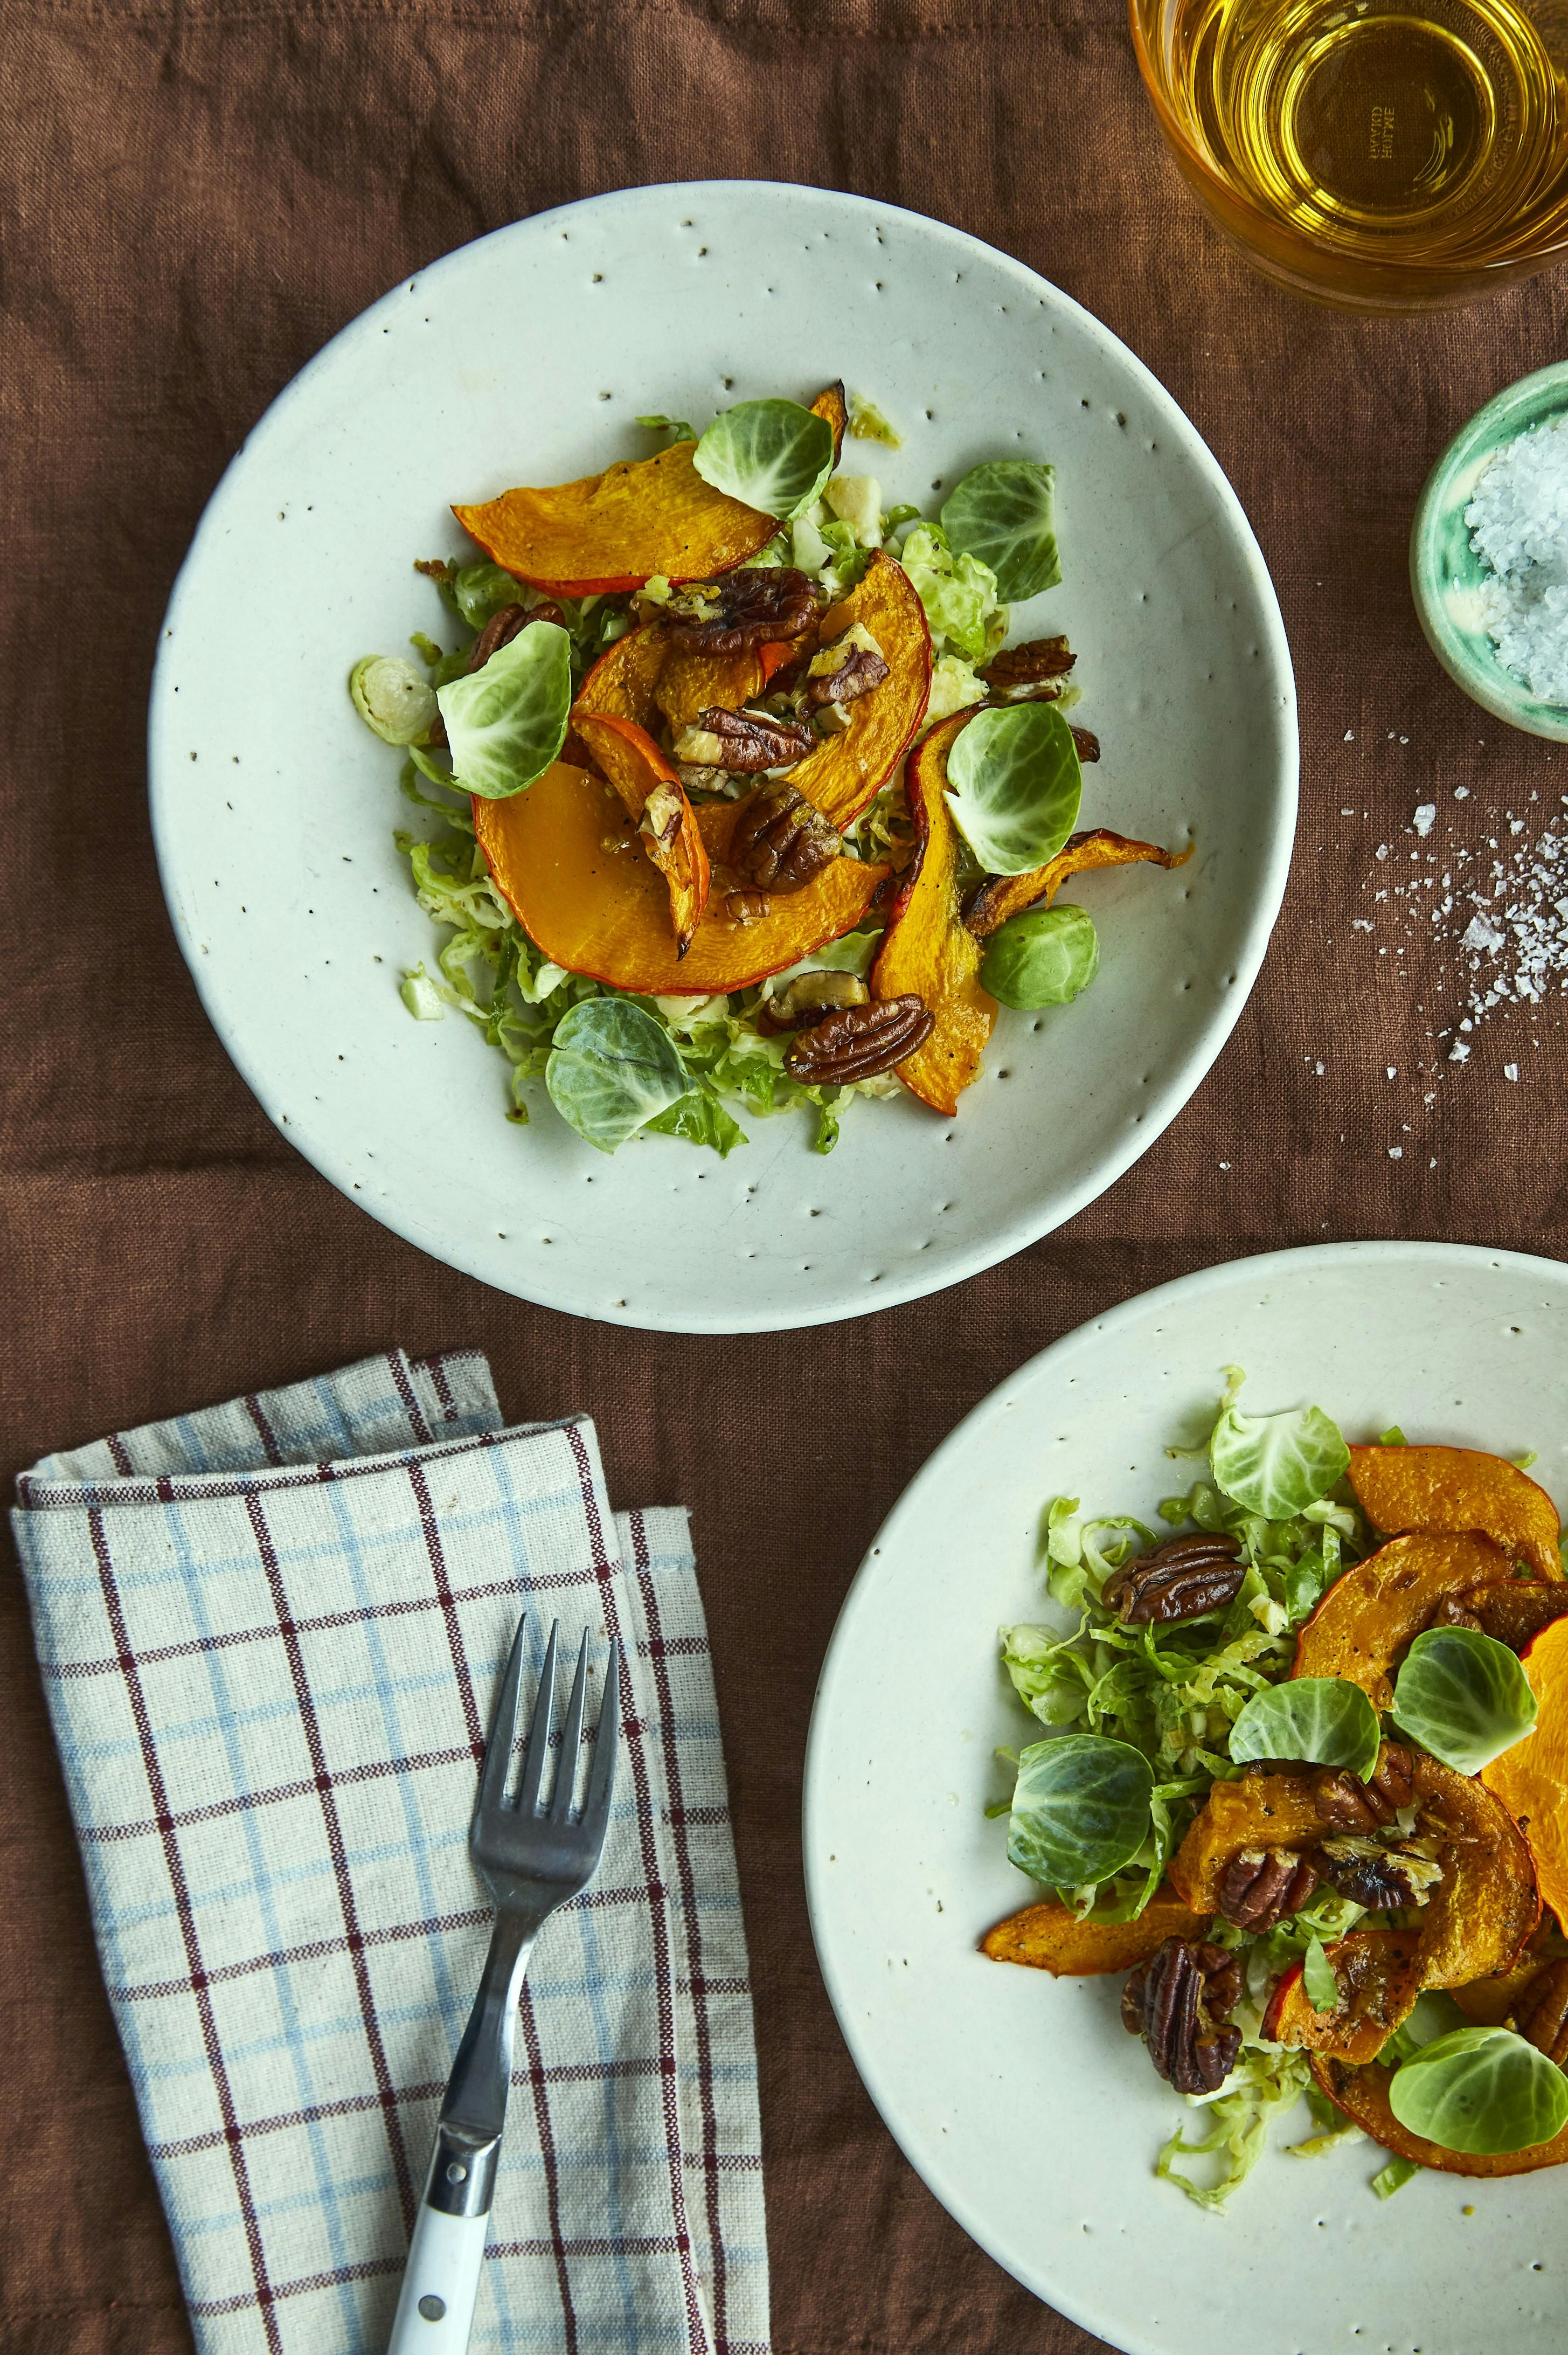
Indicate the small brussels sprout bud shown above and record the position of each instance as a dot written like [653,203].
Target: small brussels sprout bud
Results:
[1047,957]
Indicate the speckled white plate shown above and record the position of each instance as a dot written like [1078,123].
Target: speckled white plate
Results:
[1030,2112]
[525,358]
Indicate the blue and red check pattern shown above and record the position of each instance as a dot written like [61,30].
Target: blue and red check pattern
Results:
[271,1633]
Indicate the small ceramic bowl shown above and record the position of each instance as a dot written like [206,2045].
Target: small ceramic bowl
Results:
[1446,573]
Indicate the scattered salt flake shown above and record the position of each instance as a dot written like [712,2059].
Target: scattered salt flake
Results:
[1350,735]
[1458,1052]
[1396,1152]
[1461,793]
[1426,817]
[1360,923]
[1516,826]
[1479,934]
[1224,1164]
[1382,850]
[1319,1069]
[1347,813]
[1510,1070]
[1393,1071]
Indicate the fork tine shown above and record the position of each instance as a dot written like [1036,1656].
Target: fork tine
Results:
[607,1741]
[496,1773]
[539,1731]
[570,1739]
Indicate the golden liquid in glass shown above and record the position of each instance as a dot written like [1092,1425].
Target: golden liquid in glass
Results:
[1432,133]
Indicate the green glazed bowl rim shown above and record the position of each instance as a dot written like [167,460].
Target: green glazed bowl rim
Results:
[1446,574]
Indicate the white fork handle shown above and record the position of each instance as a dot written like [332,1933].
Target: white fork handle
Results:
[441,2282]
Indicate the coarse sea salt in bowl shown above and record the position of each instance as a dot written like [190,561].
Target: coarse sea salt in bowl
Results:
[1496,615]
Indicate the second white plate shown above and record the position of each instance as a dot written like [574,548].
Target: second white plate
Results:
[1031,2113]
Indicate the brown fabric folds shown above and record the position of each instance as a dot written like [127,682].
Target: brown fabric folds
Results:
[194,195]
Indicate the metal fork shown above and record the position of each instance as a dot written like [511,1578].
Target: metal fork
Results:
[531,1858]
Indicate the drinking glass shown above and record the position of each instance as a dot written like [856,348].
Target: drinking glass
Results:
[1379,155]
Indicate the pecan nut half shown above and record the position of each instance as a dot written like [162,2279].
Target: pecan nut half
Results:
[1383,1880]
[1263,1885]
[752,606]
[1541,2012]
[810,997]
[1178,1580]
[782,842]
[1028,673]
[505,623]
[744,741]
[858,1042]
[1347,1804]
[850,667]
[1178,2002]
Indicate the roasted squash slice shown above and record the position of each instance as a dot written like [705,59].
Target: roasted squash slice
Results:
[1484,1911]
[1444,1490]
[1374,1609]
[1049,1937]
[605,913]
[1362,2094]
[654,797]
[830,403]
[1379,1971]
[849,770]
[690,682]
[622,682]
[1531,1779]
[1001,896]
[1490,2001]
[929,950]
[616,529]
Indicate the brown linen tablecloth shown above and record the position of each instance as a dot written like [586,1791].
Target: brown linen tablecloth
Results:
[196,193]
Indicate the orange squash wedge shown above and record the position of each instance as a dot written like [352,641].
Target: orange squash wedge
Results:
[1490,2001]
[830,403]
[846,770]
[1444,1490]
[1375,1609]
[639,773]
[1049,1937]
[622,682]
[1484,1911]
[615,531]
[690,682]
[1531,1779]
[605,913]
[1001,896]
[928,948]
[1362,2094]
[1258,1811]
[1379,1971]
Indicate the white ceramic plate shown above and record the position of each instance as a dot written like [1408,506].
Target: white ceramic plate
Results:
[525,358]
[1021,2100]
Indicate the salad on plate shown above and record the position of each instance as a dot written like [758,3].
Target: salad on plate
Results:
[736,797]
[1301,1792]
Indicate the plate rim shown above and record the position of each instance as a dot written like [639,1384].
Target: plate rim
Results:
[881,2089]
[314,1140]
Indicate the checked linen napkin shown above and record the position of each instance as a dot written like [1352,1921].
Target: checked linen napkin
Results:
[271,1633]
